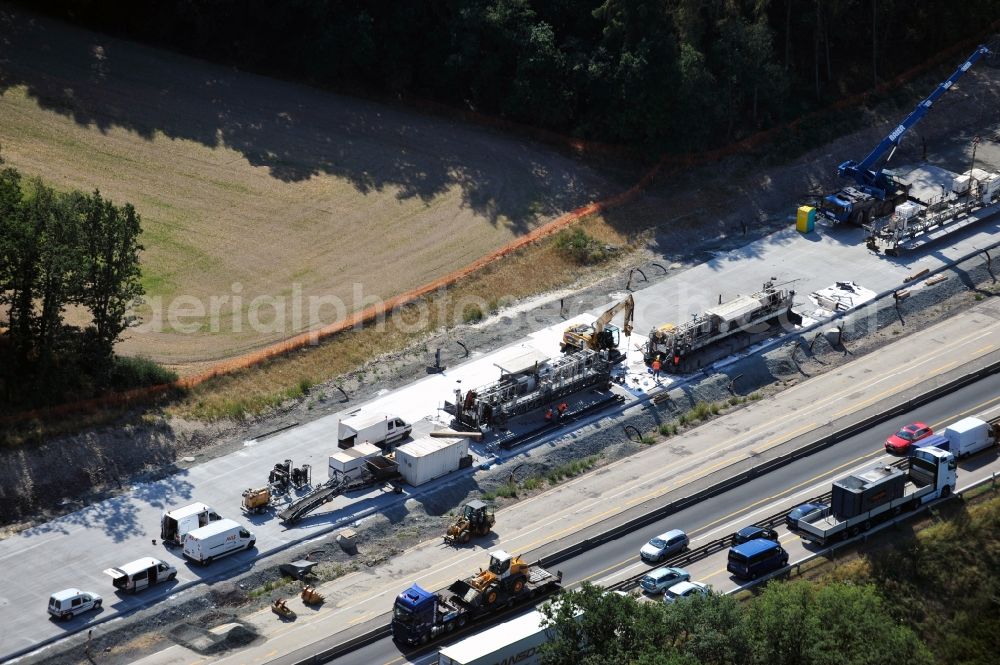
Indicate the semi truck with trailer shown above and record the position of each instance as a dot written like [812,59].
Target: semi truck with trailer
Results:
[518,641]
[419,616]
[860,501]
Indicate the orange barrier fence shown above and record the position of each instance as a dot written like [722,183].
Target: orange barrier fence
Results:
[668,164]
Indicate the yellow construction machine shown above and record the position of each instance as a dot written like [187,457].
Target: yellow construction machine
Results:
[506,572]
[600,335]
[476,519]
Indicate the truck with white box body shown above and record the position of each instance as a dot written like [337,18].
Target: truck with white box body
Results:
[380,429]
[970,435]
[217,539]
[860,501]
[177,523]
[518,641]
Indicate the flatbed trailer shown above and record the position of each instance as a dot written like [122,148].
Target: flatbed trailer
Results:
[420,615]
[932,475]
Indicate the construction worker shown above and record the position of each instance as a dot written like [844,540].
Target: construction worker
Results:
[656,368]
[562,409]
[548,415]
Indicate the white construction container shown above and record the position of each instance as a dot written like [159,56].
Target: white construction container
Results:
[960,185]
[516,641]
[351,461]
[425,459]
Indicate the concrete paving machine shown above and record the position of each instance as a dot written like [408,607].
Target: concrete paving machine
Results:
[720,330]
[476,519]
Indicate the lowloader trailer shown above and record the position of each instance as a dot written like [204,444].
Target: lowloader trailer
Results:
[861,501]
[418,615]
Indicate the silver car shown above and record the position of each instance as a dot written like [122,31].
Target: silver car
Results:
[663,578]
[664,545]
[685,589]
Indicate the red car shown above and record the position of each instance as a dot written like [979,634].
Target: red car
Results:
[901,441]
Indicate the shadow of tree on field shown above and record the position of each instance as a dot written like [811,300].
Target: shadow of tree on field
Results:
[294,131]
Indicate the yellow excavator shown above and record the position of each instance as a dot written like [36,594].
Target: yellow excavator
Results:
[600,335]
[506,572]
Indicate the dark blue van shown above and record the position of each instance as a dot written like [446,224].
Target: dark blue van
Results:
[755,558]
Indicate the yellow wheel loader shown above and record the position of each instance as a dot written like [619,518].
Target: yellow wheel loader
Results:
[476,519]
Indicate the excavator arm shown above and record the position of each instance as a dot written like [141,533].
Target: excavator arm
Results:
[628,305]
[590,336]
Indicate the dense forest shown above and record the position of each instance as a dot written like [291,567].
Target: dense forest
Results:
[675,75]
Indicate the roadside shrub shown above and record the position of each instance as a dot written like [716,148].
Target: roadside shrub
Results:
[472,314]
[581,247]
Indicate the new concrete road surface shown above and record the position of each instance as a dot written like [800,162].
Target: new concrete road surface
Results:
[113,532]
[743,505]
[534,526]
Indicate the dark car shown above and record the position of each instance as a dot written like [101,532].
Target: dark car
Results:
[748,533]
[901,442]
[808,512]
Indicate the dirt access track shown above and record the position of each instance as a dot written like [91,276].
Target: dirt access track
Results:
[283,190]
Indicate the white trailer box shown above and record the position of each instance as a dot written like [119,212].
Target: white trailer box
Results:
[516,641]
[177,523]
[218,539]
[379,428]
[967,436]
[350,461]
[425,459]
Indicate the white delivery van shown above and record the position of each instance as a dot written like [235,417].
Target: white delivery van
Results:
[968,435]
[381,429]
[67,603]
[219,538]
[141,573]
[177,523]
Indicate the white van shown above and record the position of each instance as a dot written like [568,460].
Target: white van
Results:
[177,523]
[380,429]
[141,573]
[67,603]
[220,538]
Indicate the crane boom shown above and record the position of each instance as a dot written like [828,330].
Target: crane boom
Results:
[862,172]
